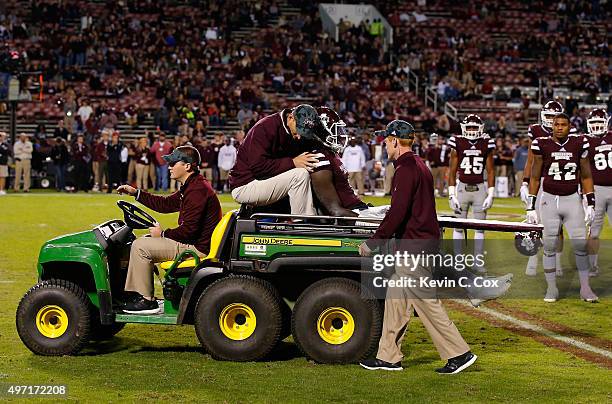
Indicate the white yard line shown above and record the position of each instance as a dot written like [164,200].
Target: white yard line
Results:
[536,328]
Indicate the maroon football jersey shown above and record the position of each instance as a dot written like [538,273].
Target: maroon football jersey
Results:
[561,168]
[600,155]
[472,155]
[330,161]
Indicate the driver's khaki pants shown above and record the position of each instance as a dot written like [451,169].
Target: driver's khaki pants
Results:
[145,252]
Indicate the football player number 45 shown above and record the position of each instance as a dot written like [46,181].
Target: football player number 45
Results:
[601,162]
[568,173]
[472,165]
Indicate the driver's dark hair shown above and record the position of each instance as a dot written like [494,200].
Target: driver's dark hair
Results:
[194,155]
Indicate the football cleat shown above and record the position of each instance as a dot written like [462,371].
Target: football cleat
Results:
[597,122]
[548,113]
[472,127]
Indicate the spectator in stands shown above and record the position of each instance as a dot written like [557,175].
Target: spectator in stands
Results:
[244,116]
[108,120]
[5,153]
[519,161]
[84,113]
[160,148]
[515,94]
[60,156]
[60,130]
[113,150]
[81,158]
[354,161]
[100,162]
[226,161]
[141,158]
[22,153]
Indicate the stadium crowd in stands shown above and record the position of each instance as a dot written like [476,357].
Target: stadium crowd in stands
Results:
[182,64]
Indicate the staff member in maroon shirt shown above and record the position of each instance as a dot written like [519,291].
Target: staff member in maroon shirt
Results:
[412,221]
[199,212]
[271,163]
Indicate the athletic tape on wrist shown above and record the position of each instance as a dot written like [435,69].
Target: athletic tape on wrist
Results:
[590,198]
[531,202]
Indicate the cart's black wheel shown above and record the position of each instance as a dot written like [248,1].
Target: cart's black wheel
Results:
[238,318]
[53,318]
[335,322]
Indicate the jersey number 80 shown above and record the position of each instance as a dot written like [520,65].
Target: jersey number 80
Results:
[601,163]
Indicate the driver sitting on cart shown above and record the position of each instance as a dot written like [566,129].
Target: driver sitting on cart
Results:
[199,212]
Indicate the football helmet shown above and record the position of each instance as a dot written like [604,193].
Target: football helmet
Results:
[334,133]
[548,112]
[528,243]
[597,122]
[433,138]
[472,127]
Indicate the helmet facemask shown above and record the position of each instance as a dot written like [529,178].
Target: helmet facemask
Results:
[472,130]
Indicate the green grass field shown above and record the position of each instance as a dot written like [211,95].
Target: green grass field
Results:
[147,362]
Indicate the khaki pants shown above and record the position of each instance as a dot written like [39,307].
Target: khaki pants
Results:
[22,167]
[295,183]
[101,175]
[142,176]
[144,253]
[439,176]
[208,174]
[131,172]
[389,173]
[152,175]
[399,305]
[356,181]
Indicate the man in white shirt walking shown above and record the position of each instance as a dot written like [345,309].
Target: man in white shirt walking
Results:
[22,153]
[354,160]
[226,161]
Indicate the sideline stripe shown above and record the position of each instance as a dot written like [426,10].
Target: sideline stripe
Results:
[538,329]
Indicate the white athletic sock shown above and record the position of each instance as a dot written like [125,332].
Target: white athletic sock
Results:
[584,279]
[593,260]
[551,279]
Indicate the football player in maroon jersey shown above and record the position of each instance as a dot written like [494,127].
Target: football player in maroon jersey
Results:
[562,164]
[471,155]
[542,129]
[600,153]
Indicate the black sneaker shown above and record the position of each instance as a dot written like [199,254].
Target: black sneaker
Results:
[458,364]
[141,305]
[377,364]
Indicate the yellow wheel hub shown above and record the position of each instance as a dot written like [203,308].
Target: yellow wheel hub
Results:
[336,325]
[237,321]
[52,321]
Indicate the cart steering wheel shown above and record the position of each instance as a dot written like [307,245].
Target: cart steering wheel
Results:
[135,217]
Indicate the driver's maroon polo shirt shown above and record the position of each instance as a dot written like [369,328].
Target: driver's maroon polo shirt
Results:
[199,211]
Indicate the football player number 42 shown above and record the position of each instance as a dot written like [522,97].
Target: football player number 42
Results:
[601,162]
[472,165]
[568,173]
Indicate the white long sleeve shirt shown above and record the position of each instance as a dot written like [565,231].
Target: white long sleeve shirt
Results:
[353,159]
[227,157]
[23,150]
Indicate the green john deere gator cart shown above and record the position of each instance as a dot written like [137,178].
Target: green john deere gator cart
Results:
[236,297]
